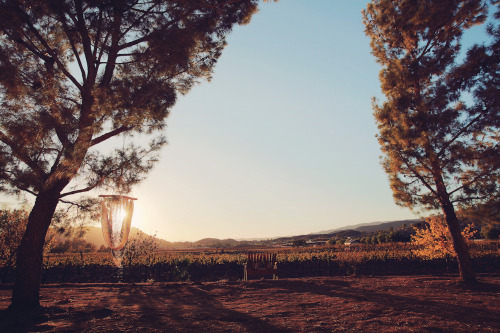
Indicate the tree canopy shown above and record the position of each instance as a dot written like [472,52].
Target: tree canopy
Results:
[439,125]
[76,73]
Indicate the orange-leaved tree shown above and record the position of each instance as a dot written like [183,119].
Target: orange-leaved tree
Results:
[435,240]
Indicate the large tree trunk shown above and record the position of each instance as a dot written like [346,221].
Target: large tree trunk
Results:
[459,245]
[26,293]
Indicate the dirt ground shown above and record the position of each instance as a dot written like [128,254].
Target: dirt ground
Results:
[323,304]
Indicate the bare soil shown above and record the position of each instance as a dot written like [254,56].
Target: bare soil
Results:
[322,304]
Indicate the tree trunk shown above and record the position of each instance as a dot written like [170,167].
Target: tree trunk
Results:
[26,293]
[459,245]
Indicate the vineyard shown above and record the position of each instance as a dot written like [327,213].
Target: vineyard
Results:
[227,264]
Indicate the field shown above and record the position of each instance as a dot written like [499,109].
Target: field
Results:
[205,265]
[227,264]
[321,304]
[384,288]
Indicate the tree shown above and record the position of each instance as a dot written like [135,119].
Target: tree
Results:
[61,247]
[141,246]
[76,73]
[299,243]
[439,125]
[12,226]
[435,240]
[490,232]
[484,214]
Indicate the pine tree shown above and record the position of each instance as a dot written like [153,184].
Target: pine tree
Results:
[75,73]
[439,125]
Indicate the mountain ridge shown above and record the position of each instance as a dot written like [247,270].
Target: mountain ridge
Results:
[94,236]
[373,226]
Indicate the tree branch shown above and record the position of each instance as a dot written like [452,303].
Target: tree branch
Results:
[144,13]
[416,174]
[97,38]
[471,182]
[86,42]
[28,191]
[457,135]
[101,51]
[91,187]
[73,47]
[463,199]
[23,156]
[146,37]
[73,204]
[51,52]
[110,134]
[113,51]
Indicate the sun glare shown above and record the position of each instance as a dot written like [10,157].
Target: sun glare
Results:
[137,217]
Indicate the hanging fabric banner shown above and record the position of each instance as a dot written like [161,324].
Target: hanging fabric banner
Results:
[116,219]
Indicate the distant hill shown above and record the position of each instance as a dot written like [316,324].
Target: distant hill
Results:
[94,236]
[215,242]
[373,226]
[355,231]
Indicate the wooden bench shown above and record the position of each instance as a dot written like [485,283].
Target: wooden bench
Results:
[261,264]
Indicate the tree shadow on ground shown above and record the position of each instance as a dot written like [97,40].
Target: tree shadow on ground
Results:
[156,308]
[179,308]
[38,320]
[427,306]
[259,306]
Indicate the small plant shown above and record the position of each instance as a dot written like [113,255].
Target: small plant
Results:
[435,240]
[140,249]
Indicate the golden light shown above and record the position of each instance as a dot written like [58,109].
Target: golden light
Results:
[116,219]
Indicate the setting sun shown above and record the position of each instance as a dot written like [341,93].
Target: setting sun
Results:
[249,166]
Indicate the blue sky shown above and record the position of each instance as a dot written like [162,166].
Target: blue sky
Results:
[282,140]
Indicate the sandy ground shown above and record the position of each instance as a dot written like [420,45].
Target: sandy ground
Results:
[324,304]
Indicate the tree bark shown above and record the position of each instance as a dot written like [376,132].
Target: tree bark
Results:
[26,292]
[459,245]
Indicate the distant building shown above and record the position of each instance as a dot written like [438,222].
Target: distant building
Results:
[351,242]
[315,243]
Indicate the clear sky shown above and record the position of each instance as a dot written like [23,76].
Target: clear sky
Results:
[282,140]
